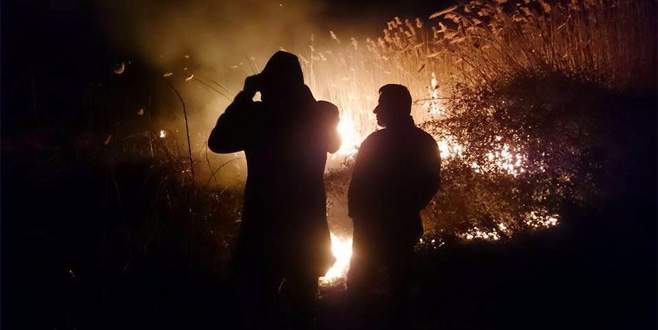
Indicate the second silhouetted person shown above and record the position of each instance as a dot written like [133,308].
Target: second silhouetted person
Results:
[395,176]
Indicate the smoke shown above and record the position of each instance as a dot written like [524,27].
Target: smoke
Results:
[217,34]
[207,48]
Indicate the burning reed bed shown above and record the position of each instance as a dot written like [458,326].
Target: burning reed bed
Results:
[495,82]
[544,113]
[492,81]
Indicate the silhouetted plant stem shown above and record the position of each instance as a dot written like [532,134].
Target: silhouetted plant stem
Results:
[187,127]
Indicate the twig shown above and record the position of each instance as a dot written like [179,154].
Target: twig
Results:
[208,161]
[225,90]
[187,128]
[435,98]
[210,87]
[212,175]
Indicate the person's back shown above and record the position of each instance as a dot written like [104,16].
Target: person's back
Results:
[396,174]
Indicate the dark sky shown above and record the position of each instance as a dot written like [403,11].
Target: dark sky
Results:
[374,11]
[38,31]
[59,26]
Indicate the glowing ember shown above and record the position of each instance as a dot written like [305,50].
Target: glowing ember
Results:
[163,134]
[541,219]
[341,248]
[434,107]
[476,233]
[502,158]
[508,159]
[449,148]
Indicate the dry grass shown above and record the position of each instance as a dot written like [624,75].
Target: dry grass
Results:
[483,42]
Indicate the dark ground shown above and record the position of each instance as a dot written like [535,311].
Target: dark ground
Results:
[73,259]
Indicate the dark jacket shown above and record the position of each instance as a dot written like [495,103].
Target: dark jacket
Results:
[284,220]
[397,172]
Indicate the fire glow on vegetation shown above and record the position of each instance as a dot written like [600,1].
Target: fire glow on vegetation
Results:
[349,137]
[476,233]
[449,148]
[341,248]
[536,220]
[462,44]
[504,158]
[507,159]
[533,219]
[430,58]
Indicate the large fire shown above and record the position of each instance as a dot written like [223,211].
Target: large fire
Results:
[341,248]
[341,245]
[348,136]
[354,126]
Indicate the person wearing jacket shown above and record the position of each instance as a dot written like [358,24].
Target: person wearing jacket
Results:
[396,174]
[284,239]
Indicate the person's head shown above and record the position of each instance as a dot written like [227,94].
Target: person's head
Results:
[394,105]
[281,74]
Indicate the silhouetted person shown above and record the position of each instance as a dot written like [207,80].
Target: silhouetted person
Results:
[284,233]
[397,172]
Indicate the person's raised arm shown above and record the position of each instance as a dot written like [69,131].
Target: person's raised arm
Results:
[231,133]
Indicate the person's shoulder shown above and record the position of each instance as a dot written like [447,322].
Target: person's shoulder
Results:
[378,134]
[326,105]
[327,109]
[423,134]
[374,138]
[425,137]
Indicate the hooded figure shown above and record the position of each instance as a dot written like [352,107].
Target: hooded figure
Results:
[284,232]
